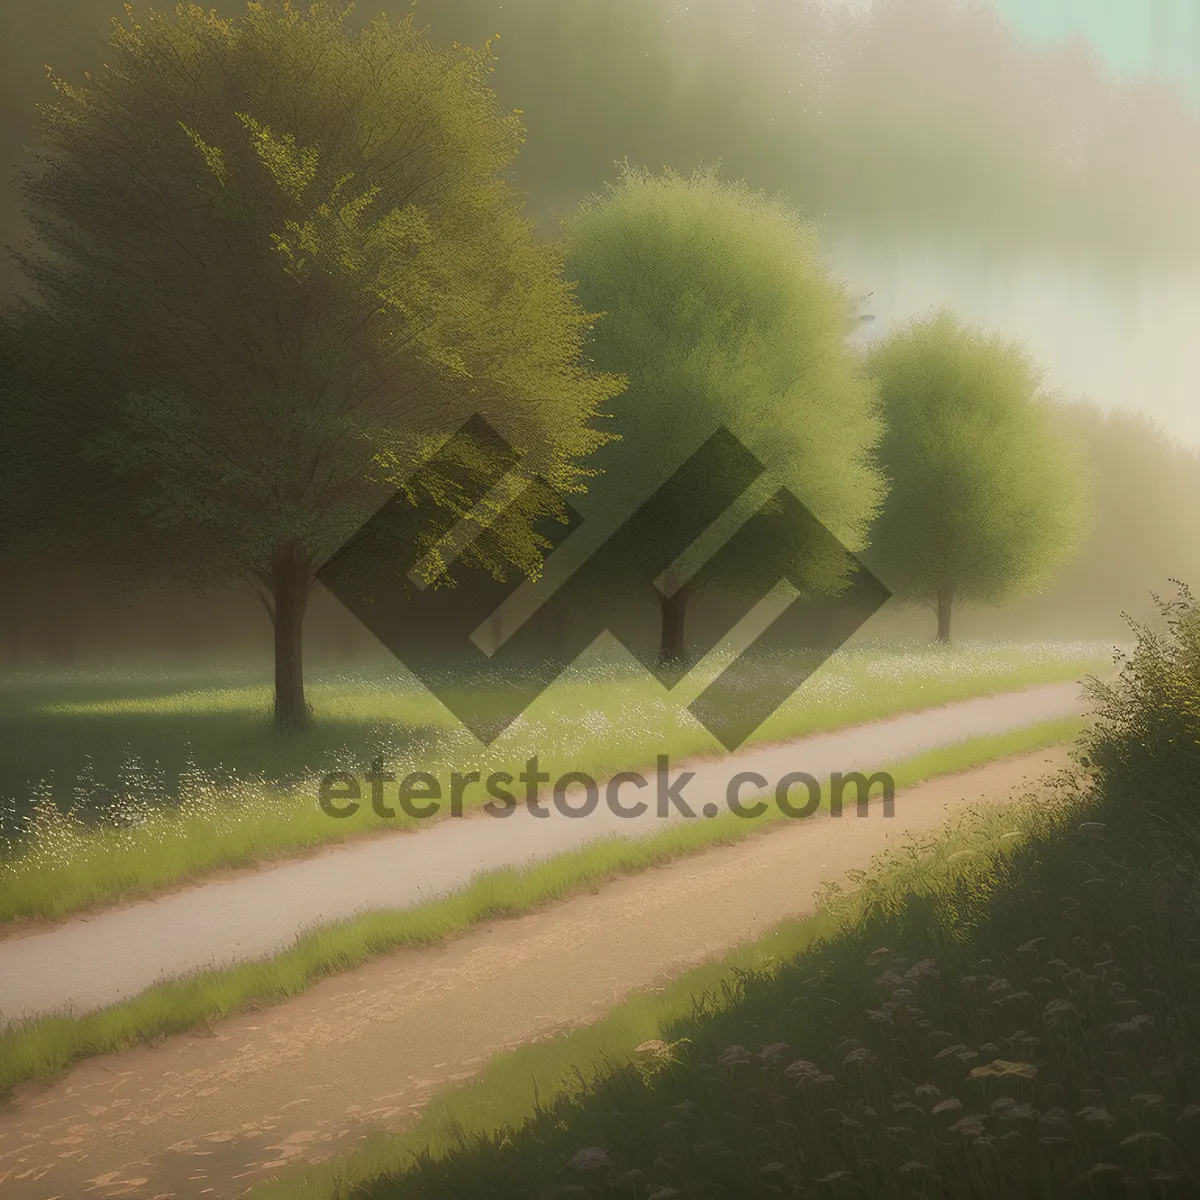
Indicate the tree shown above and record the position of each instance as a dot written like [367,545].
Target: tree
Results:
[987,499]
[719,311]
[10,456]
[282,261]
[1146,510]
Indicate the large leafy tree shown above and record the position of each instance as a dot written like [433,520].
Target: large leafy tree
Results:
[988,499]
[24,555]
[720,312]
[281,261]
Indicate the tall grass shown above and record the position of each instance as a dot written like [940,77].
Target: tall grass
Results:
[135,798]
[1146,735]
[1007,1009]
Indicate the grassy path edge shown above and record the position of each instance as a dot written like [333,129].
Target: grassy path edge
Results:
[45,1046]
[88,870]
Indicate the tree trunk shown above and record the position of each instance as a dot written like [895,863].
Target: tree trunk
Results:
[672,645]
[291,581]
[945,605]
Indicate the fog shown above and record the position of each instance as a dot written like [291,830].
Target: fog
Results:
[1126,341]
[1036,163]
[1033,163]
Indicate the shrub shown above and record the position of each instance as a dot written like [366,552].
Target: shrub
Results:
[1144,740]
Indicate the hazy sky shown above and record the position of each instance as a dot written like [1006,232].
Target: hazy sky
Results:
[1158,36]
[1123,343]
[1130,342]
[1133,344]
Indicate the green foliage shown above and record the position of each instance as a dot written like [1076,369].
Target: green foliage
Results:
[720,312]
[1145,739]
[988,500]
[284,261]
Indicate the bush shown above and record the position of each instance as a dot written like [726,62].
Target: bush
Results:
[1144,740]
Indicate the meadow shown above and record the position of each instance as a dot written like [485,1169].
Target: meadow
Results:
[114,786]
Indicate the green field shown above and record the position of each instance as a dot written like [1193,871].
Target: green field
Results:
[120,787]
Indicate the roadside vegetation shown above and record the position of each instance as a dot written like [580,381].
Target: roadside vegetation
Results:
[44,1046]
[1006,1008]
[211,788]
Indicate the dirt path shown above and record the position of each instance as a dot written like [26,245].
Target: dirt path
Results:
[213,1115]
[98,959]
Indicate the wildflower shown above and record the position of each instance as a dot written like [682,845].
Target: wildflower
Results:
[591,1158]
[732,1055]
[1001,1068]
[803,1069]
[971,1126]
[861,1055]
[1057,1009]
[653,1046]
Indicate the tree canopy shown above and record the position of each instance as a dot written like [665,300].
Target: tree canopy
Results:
[720,311]
[988,499]
[283,259]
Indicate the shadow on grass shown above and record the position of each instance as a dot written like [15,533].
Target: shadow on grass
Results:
[85,753]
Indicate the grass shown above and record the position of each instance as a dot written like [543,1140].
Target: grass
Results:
[1006,1008]
[211,787]
[44,1046]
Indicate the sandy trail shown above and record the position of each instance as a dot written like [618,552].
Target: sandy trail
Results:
[98,959]
[213,1115]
